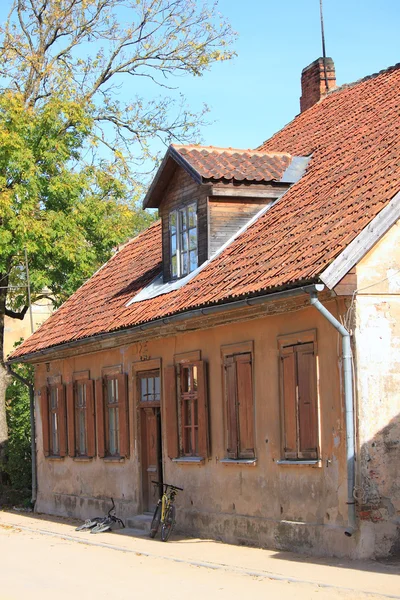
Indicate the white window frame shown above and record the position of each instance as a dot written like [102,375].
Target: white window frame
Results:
[182,241]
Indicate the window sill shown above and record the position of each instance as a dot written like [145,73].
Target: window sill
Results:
[239,461]
[189,460]
[114,459]
[300,463]
[82,458]
[55,457]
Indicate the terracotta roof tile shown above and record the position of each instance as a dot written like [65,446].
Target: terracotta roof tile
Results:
[213,163]
[354,138]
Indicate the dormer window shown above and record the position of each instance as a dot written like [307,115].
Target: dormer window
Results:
[183,240]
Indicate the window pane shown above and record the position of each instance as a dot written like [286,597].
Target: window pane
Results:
[184,243]
[150,389]
[174,266]
[185,263]
[193,260]
[173,245]
[111,421]
[192,215]
[183,219]
[156,388]
[194,378]
[54,433]
[193,239]
[143,389]
[54,398]
[172,222]
[82,436]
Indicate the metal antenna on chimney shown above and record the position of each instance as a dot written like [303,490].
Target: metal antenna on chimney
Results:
[323,45]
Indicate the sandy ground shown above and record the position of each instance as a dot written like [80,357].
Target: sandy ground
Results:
[44,558]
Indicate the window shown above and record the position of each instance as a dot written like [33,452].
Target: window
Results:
[112,415]
[80,413]
[183,241]
[80,419]
[299,399]
[186,410]
[238,386]
[52,400]
[149,387]
[54,421]
[189,410]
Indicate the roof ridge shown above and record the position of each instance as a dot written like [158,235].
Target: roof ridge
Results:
[227,149]
[346,86]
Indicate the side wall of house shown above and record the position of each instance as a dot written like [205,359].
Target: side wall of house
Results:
[376,310]
[286,506]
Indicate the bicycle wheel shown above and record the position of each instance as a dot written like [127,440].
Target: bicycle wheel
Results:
[88,524]
[169,523]
[101,528]
[156,521]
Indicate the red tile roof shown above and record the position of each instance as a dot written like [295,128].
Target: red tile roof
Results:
[354,138]
[232,164]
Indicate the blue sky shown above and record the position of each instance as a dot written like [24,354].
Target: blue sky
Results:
[258,92]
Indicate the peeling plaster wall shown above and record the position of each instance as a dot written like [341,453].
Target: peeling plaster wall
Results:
[377,340]
[296,507]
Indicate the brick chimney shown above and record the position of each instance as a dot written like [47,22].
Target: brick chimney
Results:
[313,84]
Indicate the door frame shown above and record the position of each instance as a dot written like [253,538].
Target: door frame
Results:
[138,368]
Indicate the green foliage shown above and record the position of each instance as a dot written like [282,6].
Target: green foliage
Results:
[18,458]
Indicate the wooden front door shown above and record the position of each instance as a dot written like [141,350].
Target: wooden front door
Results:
[151,448]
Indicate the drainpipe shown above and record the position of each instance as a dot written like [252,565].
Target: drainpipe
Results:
[348,399]
[33,433]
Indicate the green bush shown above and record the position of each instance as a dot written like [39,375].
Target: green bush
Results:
[18,458]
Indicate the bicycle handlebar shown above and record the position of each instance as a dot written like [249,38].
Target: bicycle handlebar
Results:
[167,485]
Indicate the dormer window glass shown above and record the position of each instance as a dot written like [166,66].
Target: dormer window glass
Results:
[183,240]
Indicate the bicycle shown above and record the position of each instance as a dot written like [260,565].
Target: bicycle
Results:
[165,511]
[101,524]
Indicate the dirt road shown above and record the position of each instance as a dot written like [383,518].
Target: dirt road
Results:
[47,559]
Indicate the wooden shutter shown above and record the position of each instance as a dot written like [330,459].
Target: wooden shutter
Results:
[231,401]
[90,422]
[44,411]
[62,420]
[245,411]
[202,409]
[307,401]
[70,401]
[123,414]
[171,414]
[101,451]
[288,387]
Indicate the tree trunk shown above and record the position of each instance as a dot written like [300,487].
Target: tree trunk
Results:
[3,386]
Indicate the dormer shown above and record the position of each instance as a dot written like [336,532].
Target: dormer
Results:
[206,195]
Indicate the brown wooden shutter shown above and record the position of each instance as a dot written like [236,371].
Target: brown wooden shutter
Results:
[123,414]
[288,385]
[202,409]
[171,415]
[90,422]
[245,411]
[307,401]
[101,451]
[231,408]
[44,412]
[62,420]
[70,401]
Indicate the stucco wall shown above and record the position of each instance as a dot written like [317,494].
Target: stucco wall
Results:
[289,507]
[377,337]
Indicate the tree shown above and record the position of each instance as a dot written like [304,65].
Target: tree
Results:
[71,144]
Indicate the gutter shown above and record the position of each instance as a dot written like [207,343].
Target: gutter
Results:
[33,433]
[349,406]
[183,316]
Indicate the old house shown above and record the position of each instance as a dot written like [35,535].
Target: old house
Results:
[246,346]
